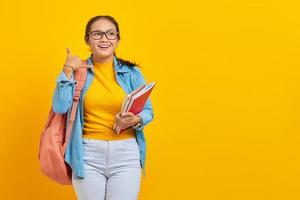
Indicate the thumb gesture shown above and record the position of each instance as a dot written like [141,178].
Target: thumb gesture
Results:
[74,61]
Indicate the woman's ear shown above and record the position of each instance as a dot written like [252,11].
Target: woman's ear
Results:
[88,43]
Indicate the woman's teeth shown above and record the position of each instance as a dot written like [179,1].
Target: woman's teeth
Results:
[103,46]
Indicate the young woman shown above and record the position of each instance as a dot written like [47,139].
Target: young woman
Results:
[105,165]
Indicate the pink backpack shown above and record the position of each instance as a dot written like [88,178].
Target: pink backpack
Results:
[55,136]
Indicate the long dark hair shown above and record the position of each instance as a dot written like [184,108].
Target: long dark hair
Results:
[112,20]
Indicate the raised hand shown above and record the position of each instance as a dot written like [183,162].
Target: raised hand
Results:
[73,62]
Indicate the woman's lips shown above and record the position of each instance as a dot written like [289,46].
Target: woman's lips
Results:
[103,46]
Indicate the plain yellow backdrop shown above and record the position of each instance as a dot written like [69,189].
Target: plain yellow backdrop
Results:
[226,103]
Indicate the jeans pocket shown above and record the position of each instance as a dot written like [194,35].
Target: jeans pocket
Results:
[130,142]
[132,145]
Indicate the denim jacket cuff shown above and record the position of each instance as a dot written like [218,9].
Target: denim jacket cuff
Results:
[62,78]
[145,119]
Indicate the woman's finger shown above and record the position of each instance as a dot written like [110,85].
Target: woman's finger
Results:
[119,115]
[127,122]
[124,120]
[129,113]
[68,52]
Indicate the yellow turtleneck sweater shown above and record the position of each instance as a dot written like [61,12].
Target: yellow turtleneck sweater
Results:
[102,101]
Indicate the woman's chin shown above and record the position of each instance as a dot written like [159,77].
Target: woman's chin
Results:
[102,54]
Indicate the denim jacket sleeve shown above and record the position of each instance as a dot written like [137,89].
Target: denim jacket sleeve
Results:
[63,94]
[147,114]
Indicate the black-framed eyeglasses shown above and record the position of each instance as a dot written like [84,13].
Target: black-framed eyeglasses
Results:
[110,34]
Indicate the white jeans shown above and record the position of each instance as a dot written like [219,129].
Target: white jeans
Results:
[112,170]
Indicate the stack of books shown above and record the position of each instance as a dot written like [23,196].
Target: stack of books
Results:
[135,102]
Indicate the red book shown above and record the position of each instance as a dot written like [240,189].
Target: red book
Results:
[135,101]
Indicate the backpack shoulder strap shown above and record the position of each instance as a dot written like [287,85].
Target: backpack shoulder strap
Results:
[80,77]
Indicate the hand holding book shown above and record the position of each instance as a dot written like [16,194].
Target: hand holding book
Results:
[127,119]
[134,104]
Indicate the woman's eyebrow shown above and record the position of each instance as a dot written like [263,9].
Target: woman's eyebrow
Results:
[104,31]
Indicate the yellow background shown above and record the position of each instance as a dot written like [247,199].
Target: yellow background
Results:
[226,103]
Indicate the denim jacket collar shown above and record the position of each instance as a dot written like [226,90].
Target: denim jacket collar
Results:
[117,65]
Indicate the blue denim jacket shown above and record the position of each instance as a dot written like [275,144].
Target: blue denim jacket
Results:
[129,78]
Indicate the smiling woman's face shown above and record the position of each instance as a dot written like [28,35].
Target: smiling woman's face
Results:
[103,49]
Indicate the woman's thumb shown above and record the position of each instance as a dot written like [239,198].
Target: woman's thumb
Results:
[68,51]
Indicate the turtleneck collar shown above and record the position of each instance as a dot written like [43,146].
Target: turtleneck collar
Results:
[105,64]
